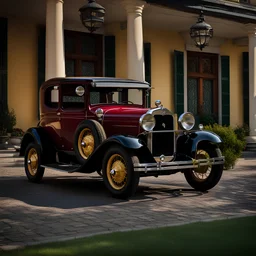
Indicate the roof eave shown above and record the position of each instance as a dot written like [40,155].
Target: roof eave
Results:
[242,13]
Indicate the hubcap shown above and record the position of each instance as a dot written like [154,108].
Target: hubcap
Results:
[86,143]
[202,172]
[116,172]
[32,162]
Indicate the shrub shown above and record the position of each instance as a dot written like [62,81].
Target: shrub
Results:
[242,131]
[17,132]
[207,119]
[231,145]
[7,121]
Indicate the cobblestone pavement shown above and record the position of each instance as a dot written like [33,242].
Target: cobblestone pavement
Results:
[66,206]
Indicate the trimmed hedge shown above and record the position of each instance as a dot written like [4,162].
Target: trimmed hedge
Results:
[233,142]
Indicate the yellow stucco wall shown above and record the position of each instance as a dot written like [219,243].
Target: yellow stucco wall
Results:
[121,48]
[236,80]
[163,44]
[22,71]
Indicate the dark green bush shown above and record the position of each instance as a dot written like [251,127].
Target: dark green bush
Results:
[7,121]
[207,119]
[231,145]
[242,131]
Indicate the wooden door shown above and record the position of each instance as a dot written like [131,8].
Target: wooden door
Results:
[202,83]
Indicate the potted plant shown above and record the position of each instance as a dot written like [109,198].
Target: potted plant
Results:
[7,122]
[16,137]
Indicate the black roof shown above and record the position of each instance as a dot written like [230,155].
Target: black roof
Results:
[102,81]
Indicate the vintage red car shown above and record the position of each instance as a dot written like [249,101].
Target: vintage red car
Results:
[102,125]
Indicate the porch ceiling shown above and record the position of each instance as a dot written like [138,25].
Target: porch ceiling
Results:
[153,16]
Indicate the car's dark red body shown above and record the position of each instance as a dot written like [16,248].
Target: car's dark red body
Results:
[61,124]
[93,124]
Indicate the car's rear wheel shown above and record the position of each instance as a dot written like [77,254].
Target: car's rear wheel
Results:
[88,136]
[32,163]
[204,177]
[118,172]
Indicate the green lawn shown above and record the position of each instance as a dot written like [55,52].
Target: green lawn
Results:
[228,237]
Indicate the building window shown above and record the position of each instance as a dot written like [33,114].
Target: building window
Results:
[83,54]
[202,83]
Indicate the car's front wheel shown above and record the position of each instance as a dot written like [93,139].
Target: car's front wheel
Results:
[204,177]
[118,172]
[32,163]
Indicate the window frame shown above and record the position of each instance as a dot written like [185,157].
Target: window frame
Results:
[78,56]
[200,76]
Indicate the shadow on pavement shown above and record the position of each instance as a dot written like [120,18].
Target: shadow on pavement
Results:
[73,192]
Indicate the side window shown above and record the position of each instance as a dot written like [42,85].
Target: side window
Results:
[70,100]
[51,98]
[94,97]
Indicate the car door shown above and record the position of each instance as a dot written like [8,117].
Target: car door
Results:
[72,112]
[50,114]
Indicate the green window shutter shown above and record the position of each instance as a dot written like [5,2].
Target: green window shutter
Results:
[41,60]
[225,87]
[110,56]
[3,63]
[179,82]
[246,87]
[147,61]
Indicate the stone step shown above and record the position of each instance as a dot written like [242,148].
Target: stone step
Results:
[248,154]
[10,155]
[251,146]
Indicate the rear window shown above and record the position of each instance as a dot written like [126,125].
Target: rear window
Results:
[51,97]
[70,100]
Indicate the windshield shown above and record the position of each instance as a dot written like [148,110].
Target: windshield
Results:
[116,96]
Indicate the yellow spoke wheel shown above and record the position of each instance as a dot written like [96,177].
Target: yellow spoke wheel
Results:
[202,173]
[207,176]
[32,161]
[116,172]
[86,143]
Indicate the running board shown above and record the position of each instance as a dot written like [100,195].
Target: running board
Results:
[62,167]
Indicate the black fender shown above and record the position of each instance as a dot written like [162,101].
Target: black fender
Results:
[39,136]
[133,144]
[187,143]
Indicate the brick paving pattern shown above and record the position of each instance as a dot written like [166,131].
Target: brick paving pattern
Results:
[66,206]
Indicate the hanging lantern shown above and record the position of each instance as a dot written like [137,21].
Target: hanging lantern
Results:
[92,15]
[201,32]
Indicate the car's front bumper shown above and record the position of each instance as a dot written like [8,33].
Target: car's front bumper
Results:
[177,165]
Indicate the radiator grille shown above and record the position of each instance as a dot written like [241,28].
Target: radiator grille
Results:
[163,143]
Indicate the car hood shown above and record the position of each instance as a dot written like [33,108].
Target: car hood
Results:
[121,119]
[133,111]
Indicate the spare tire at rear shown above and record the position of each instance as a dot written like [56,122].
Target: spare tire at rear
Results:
[88,136]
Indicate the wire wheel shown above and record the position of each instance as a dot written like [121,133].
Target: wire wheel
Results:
[205,177]
[116,172]
[202,173]
[85,143]
[32,161]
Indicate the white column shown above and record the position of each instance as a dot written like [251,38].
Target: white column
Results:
[55,57]
[252,83]
[135,55]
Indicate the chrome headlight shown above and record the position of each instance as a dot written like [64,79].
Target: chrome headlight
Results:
[99,112]
[187,121]
[147,122]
